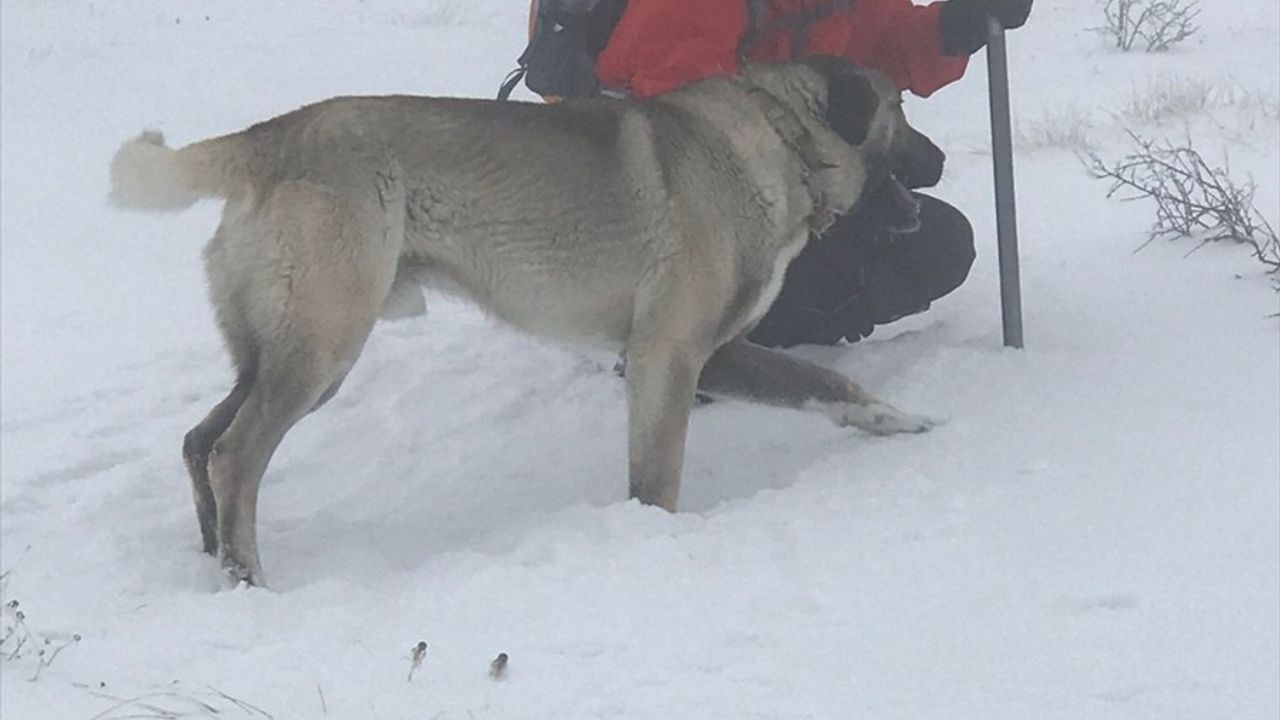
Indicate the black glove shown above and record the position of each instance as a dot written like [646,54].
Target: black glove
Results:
[963,23]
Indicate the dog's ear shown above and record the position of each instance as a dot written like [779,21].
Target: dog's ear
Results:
[851,106]
[852,100]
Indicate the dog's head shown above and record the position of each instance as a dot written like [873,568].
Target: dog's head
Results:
[863,143]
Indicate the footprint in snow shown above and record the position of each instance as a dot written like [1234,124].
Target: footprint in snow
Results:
[89,467]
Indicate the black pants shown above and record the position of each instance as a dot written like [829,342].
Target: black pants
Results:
[859,275]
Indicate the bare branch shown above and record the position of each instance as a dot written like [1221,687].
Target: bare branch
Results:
[1157,25]
[1192,198]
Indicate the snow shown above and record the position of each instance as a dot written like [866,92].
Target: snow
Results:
[1094,532]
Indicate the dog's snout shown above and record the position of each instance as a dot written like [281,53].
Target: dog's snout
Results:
[920,162]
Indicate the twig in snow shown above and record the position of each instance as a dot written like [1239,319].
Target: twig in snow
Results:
[18,640]
[1160,24]
[419,651]
[148,704]
[15,630]
[47,661]
[243,705]
[498,666]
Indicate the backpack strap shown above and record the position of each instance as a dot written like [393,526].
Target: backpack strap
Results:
[510,82]
[798,23]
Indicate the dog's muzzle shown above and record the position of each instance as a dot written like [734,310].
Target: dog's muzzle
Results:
[901,208]
[919,163]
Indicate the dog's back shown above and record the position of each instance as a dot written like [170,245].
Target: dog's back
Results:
[545,215]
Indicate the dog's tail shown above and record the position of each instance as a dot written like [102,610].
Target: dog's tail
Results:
[146,174]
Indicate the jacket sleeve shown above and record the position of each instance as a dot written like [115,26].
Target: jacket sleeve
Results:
[904,41]
[660,45]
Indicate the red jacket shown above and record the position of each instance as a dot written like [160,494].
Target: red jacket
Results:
[662,44]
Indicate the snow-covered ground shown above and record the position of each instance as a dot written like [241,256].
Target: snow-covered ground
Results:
[1093,534]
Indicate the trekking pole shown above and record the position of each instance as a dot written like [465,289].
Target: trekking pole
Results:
[1002,158]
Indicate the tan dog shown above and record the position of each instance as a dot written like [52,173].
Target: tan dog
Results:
[662,227]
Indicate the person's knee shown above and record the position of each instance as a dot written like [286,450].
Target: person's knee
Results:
[952,239]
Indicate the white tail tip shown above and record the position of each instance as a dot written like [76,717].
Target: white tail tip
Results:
[148,175]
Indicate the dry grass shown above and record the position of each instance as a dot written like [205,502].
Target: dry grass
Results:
[1068,128]
[1168,98]
[179,704]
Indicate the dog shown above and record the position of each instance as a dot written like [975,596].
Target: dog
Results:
[660,227]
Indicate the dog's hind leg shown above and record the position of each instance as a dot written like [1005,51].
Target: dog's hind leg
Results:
[226,292]
[288,386]
[296,373]
[196,447]
[742,369]
[311,270]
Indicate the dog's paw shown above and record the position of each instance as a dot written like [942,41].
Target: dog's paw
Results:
[879,418]
[237,574]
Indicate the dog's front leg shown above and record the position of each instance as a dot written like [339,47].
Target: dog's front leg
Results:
[742,369]
[662,376]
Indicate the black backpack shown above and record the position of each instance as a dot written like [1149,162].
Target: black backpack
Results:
[561,57]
